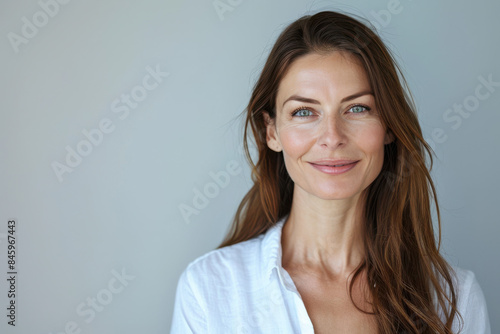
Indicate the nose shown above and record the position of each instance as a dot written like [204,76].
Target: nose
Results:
[332,132]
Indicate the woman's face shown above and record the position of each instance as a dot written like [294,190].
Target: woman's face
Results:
[325,112]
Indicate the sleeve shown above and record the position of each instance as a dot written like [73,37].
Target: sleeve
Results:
[474,312]
[189,315]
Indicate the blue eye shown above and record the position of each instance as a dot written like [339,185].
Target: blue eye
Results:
[302,112]
[358,109]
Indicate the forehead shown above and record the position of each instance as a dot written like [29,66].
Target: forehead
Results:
[333,75]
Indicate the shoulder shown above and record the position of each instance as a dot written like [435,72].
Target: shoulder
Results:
[463,278]
[471,302]
[466,285]
[221,290]
[210,283]
[223,266]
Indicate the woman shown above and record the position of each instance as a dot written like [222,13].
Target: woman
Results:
[336,234]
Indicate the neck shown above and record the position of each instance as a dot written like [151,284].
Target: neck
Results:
[324,237]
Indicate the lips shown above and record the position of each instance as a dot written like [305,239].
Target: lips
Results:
[334,166]
[334,163]
[337,165]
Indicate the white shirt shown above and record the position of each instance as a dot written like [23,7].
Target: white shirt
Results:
[243,289]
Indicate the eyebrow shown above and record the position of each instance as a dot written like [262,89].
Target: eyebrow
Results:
[312,101]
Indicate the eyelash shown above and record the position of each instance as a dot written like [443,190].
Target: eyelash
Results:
[307,108]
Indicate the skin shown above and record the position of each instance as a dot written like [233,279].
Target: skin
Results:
[322,237]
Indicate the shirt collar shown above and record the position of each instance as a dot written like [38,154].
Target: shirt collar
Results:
[271,248]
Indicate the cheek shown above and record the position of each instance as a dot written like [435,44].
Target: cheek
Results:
[370,139]
[296,139]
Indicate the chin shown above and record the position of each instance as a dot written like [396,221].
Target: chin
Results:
[333,194]
[332,197]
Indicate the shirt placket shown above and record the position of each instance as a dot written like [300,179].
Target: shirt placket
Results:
[306,326]
[305,323]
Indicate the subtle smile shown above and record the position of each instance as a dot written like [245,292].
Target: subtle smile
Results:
[334,167]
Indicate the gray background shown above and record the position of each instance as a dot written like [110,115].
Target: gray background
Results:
[119,208]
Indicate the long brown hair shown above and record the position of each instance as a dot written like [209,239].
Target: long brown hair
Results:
[402,254]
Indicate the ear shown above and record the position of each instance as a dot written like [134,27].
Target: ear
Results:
[389,137]
[271,134]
